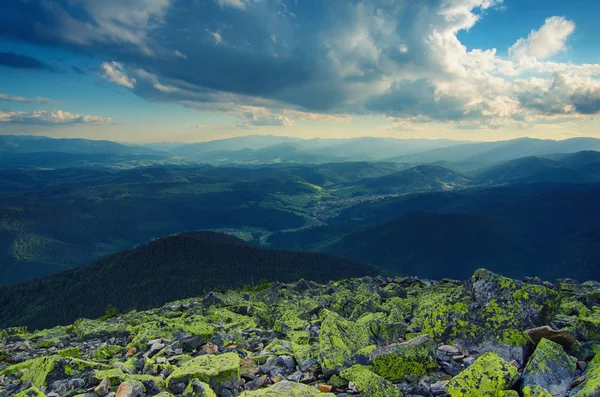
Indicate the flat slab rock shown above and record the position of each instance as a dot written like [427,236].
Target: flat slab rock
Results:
[562,337]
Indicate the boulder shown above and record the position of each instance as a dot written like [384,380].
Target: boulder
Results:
[131,388]
[415,357]
[31,392]
[197,388]
[211,369]
[45,370]
[488,313]
[549,368]
[590,387]
[339,340]
[287,389]
[563,337]
[370,384]
[489,376]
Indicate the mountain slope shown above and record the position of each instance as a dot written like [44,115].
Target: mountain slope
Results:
[548,230]
[163,270]
[580,167]
[417,179]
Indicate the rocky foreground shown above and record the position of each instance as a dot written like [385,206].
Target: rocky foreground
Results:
[373,337]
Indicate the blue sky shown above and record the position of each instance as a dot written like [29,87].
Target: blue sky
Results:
[193,70]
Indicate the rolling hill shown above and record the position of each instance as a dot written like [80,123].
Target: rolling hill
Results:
[413,180]
[163,270]
[550,230]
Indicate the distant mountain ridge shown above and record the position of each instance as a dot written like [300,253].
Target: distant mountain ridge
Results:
[163,270]
[34,144]
[267,149]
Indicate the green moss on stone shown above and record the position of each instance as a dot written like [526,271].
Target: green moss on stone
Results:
[339,340]
[197,388]
[536,391]
[549,367]
[287,389]
[31,392]
[489,375]
[415,357]
[72,352]
[368,383]
[107,352]
[211,369]
[44,370]
[591,385]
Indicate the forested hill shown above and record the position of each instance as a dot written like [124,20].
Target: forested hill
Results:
[163,270]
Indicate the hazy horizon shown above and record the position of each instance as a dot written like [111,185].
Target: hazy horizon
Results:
[125,142]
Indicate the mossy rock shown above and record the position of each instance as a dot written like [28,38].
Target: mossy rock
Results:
[150,327]
[370,384]
[31,392]
[591,385]
[287,389]
[383,328]
[72,352]
[415,357]
[107,352]
[487,314]
[197,388]
[550,368]
[42,371]
[588,324]
[488,376]
[92,329]
[339,340]
[536,391]
[115,376]
[211,369]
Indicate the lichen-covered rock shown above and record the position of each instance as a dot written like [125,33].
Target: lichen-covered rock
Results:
[131,388]
[415,357]
[550,368]
[370,384]
[31,392]
[488,313]
[588,324]
[591,385]
[339,340]
[42,371]
[114,375]
[196,388]
[383,328]
[211,369]
[89,329]
[286,389]
[536,391]
[488,376]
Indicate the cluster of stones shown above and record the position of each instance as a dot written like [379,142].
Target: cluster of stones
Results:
[370,337]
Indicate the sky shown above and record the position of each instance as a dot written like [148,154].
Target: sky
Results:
[196,70]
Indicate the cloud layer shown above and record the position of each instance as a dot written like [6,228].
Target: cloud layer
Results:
[56,117]
[274,62]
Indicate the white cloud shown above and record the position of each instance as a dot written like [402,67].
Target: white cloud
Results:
[114,72]
[239,4]
[179,54]
[50,118]
[545,42]
[216,36]
[15,98]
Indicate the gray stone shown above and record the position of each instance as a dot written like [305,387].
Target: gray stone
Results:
[550,368]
